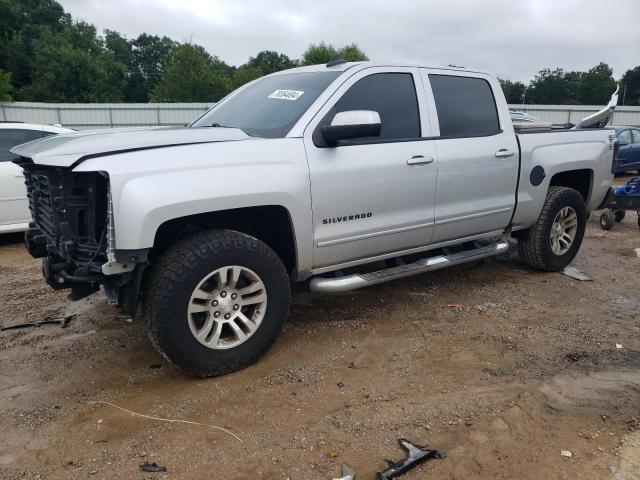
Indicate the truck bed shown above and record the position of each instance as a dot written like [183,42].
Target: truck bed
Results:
[544,153]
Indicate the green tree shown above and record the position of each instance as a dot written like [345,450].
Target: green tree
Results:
[593,87]
[630,87]
[22,22]
[6,88]
[320,53]
[552,87]
[323,53]
[596,85]
[63,72]
[352,53]
[269,62]
[190,76]
[120,47]
[513,91]
[150,53]
[83,36]
[245,74]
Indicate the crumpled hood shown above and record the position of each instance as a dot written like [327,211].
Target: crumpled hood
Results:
[68,149]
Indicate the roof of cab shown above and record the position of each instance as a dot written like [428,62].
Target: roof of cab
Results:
[341,67]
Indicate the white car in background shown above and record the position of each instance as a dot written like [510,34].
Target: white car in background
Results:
[14,207]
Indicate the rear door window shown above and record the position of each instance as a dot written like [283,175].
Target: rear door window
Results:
[393,96]
[11,137]
[465,105]
[636,136]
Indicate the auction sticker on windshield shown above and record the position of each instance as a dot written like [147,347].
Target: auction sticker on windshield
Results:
[286,94]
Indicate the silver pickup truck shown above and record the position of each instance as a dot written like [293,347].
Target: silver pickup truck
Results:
[342,175]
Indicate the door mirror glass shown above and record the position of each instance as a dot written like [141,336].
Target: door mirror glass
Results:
[352,124]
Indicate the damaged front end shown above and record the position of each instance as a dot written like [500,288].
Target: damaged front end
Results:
[73,232]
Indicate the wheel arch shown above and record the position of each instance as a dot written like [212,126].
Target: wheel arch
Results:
[580,180]
[271,224]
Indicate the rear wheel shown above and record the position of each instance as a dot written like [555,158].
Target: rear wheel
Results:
[554,240]
[216,301]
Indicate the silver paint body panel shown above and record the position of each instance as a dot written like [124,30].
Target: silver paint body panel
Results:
[463,190]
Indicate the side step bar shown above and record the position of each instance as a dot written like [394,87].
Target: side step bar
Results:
[360,280]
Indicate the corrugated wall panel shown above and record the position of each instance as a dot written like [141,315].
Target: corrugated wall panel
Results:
[84,116]
[575,113]
[135,116]
[15,112]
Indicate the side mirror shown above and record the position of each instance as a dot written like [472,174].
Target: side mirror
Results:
[622,143]
[352,124]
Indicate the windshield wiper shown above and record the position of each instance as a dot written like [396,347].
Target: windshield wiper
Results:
[217,125]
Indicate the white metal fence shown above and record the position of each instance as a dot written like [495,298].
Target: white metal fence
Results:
[575,113]
[84,116]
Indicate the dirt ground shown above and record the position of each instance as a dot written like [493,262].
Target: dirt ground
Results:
[499,366]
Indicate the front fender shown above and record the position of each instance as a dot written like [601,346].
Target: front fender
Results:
[149,188]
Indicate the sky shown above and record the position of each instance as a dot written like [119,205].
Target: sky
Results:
[513,39]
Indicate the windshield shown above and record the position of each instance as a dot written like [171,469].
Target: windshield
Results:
[271,106]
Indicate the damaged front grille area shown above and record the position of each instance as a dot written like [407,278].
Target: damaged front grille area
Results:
[69,211]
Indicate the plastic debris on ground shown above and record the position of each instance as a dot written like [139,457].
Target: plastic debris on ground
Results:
[62,321]
[152,467]
[619,346]
[573,272]
[566,453]
[415,455]
[348,473]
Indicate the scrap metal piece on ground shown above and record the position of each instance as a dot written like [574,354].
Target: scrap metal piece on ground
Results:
[152,467]
[416,454]
[348,473]
[573,272]
[62,321]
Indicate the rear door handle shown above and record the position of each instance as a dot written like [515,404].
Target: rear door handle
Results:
[419,160]
[504,153]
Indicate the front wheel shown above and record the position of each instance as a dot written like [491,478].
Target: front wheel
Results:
[216,301]
[554,240]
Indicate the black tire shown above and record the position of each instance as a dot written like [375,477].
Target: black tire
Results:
[619,215]
[607,220]
[534,245]
[176,275]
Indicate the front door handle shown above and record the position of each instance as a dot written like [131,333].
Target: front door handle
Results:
[505,153]
[419,160]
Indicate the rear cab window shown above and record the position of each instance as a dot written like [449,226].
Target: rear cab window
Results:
[465,106]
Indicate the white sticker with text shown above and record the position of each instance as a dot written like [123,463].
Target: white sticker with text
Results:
[286,94]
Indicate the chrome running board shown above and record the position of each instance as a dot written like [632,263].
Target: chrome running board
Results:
[360,280]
